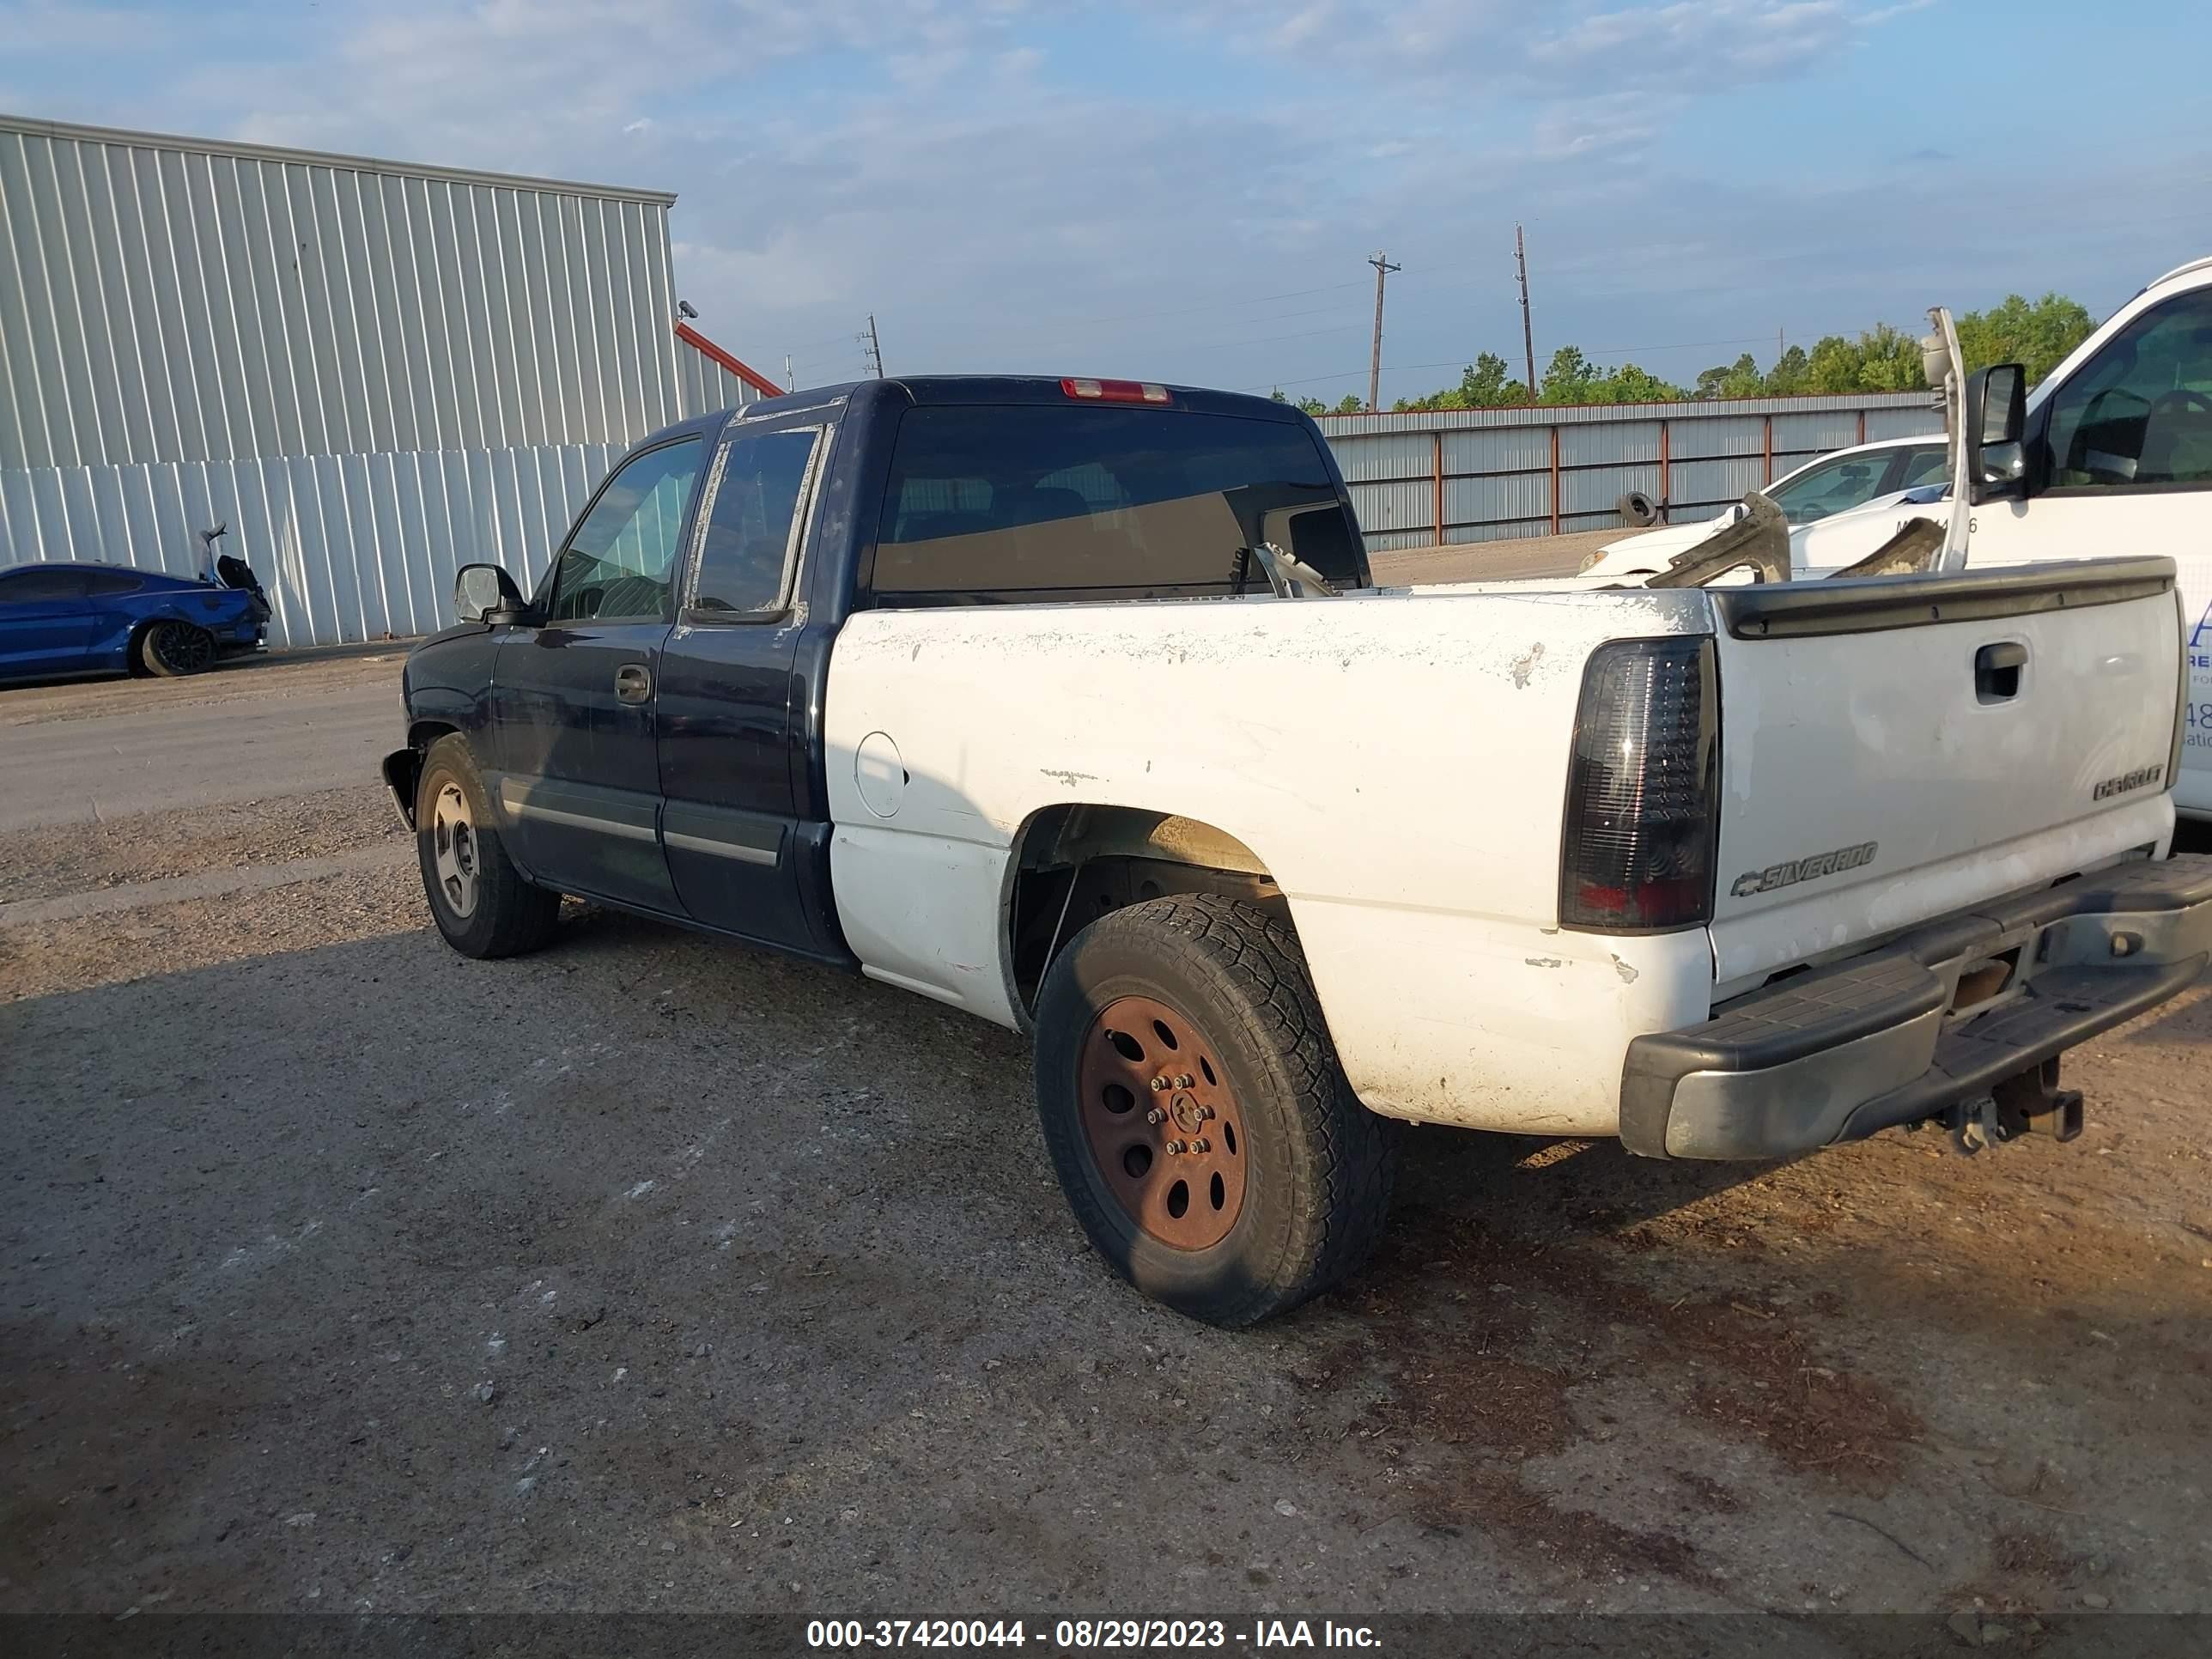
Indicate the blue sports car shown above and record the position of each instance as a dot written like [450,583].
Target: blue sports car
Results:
[59,619]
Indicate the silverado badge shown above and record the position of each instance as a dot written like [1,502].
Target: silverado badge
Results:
[1790,871]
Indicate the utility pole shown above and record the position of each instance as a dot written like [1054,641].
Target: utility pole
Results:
[1528,333]
[789,383]
[875,346]
[1383,270]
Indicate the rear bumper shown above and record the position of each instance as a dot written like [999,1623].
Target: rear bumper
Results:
[1844,1052]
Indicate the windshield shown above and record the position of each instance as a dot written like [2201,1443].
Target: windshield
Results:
[1009,503]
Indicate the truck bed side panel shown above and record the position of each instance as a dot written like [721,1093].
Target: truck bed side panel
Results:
[1398,765]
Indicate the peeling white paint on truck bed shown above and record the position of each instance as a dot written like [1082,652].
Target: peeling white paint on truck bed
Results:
[1398,763]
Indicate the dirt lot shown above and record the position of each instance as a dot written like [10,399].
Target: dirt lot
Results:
[1493,562]
[343,1274]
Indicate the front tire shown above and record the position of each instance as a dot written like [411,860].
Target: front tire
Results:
[480,903]
[1196,1115]
[173,649]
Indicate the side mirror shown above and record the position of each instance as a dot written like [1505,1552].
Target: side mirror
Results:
[484,592]
[1996,419]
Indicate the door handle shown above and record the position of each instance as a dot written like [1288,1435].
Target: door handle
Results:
[1997,671]
[633,682]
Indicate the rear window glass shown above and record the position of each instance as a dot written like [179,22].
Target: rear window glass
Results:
[1036,502]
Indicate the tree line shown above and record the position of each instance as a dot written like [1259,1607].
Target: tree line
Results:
[2038,333]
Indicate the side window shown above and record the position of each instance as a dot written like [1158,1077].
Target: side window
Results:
[1924,466]
[1847,482]
[104,584]
[616,567]
[751,532]
[2140,412]
[34,587]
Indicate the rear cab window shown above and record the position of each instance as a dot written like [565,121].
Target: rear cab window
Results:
[1004,504]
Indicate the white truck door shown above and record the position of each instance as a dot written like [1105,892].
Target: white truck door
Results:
[2127,440]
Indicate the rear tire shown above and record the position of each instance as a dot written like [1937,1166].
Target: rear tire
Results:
[480,903]
[1286,1177]
[173,649]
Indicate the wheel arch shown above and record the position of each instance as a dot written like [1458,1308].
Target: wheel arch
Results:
[133,642]
[1073,861]
[134,663]
[403,768]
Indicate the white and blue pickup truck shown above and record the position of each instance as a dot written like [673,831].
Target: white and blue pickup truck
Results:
[1071,703]
[2112,452]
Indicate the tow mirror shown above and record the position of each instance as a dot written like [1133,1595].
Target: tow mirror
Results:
[484,592]
[1997,418]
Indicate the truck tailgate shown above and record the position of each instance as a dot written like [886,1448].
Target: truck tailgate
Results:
[1895,748]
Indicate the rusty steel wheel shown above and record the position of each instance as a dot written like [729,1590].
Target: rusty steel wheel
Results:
[1162,1122]
[1197,1118]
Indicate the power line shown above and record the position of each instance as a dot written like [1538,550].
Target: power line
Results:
[999,338]
[1270,339]
[1344,374]
[1681,345]
[1044,323]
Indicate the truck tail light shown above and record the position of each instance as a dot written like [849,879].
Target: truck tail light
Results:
[1117,392]
[1642,789]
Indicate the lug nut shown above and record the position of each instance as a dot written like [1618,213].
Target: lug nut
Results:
[1201,1145]
[1159,1084]
[1205,1113]
[1154,1116]
[1185,1081]
[1176,1148]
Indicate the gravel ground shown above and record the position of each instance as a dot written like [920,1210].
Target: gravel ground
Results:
[1493,561]
[650,1272]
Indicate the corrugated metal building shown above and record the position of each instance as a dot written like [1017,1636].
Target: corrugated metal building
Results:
[1482,475]
[374,372]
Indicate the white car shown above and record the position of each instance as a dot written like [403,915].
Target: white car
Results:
[1839,481]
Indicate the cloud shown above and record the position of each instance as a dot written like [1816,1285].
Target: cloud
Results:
[1185,188]
[43,26]
[1470,49]
[1619,122]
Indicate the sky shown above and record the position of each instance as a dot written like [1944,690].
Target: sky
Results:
[1189,190]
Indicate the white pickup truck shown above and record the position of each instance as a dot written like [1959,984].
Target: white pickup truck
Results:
[1070,703]
[2113,455]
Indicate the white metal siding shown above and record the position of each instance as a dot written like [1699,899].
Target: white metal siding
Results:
[374,372]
